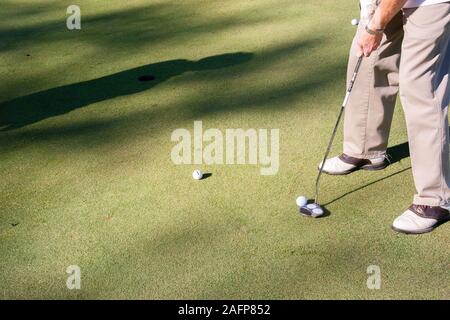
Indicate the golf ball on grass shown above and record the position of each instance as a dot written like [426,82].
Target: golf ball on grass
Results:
[197,175]
[301,201]
[355,22]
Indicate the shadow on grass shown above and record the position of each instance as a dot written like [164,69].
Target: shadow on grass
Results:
[365,186]
[398,152]
[38,106]
[35,107]
[150,23]
[206,176]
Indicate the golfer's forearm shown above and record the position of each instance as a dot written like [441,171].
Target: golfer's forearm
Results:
[385,12]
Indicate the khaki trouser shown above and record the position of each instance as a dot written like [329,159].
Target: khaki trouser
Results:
[415,56]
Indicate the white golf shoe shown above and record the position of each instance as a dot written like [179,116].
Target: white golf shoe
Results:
[345,164]
[419,219]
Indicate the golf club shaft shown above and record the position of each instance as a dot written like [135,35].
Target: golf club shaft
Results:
[336,126]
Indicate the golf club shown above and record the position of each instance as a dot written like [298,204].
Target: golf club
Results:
[314,209]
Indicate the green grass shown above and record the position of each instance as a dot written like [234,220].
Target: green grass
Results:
[87,179]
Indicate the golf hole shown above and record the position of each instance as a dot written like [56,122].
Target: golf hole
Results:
[146,78]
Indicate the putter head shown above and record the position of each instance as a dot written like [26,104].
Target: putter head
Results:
[312,210]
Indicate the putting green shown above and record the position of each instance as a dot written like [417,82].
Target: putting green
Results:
[87,177]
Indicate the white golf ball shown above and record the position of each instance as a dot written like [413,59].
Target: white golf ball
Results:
[355,22]
[301,201]
[197,175]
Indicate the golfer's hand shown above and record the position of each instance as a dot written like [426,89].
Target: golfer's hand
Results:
[368,43]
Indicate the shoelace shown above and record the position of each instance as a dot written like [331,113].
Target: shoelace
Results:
[420,207]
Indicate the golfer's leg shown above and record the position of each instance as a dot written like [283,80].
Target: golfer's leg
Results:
[425,93]
[369,112]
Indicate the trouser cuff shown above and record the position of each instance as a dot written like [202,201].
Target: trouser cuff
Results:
[368,155]
[433,202]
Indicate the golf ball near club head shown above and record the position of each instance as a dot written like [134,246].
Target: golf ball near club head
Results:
[301,201]
[355,22]
[197,174]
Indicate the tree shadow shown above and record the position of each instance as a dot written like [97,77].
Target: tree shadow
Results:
[38,106]
[154,22]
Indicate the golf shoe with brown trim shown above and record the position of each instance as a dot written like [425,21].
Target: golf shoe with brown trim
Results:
[419,219]
[344,164]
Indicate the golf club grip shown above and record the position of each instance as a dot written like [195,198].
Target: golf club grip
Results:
[330,143]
